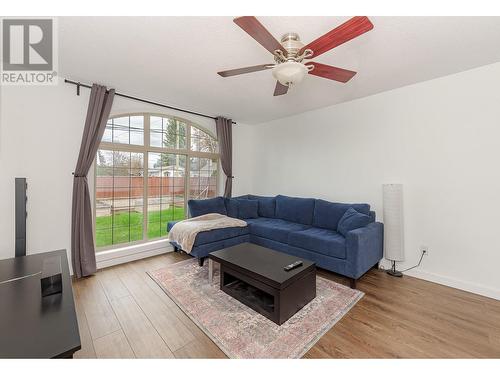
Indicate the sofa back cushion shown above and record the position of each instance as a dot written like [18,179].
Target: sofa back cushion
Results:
[327,214]
[267,205]
[199,207]
[351,220]
[248,209]
[298,210]
[245,196]
[231,207]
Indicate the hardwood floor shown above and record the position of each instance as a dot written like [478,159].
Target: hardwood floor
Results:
[122,313]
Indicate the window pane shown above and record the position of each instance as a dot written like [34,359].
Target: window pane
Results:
[182,141]
[155,122]
[126,130]
[202,173]
[136,232]
[154,160]
[121,130]
[195,143]
[104,160]
[120,235]
[119,197]
[137,122]
[136,130]
[167,133]
[202,142]
[120,121]
[108,132]
[136,164]
[182,129]
[195,132]
[174,134]
[103,236]
[165,199]
[155,138]
[121,159]
[207,143]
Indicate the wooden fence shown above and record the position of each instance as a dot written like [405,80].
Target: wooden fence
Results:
[109,187]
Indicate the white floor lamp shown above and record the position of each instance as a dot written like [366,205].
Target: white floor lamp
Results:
[393,225]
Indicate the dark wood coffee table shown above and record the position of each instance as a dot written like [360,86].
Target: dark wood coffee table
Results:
[254,275]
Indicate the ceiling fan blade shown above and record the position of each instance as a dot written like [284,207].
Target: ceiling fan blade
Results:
[331,72]
[341,34]
[248,69]
[257,31]
[280,89]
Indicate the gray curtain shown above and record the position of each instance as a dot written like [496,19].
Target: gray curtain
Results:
[82,239]
[224,128]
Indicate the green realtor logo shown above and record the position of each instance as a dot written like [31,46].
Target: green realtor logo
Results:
[28,51]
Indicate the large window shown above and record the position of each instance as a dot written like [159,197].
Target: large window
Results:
[147,167]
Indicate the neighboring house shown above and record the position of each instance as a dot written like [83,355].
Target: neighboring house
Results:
[169,171]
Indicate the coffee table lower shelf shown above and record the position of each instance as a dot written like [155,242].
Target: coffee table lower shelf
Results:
[278,305]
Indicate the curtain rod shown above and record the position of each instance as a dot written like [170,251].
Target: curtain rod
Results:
[79,84]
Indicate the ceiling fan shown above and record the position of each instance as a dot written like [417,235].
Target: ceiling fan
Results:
[289,68]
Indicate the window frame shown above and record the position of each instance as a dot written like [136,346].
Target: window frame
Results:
[145,149]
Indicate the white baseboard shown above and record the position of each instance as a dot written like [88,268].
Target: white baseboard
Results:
[455,283]
[131,253]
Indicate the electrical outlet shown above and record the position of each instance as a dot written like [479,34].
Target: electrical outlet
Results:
[424,249]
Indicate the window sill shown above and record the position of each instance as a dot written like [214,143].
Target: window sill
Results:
[126,254]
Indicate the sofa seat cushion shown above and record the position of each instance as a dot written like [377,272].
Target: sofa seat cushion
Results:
[319,240]
[274,229]
[219,235]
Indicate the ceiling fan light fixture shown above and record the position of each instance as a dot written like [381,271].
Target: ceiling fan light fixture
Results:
[289,73]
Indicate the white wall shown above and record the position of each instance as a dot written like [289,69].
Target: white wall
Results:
[40,135]
[440,138]
[244,149]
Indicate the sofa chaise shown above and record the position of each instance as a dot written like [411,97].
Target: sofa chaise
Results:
[339,237]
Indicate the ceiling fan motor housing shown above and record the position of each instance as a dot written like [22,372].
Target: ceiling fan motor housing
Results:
[293,47]
[291,42]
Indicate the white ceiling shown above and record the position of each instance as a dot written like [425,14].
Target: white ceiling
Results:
[175,59]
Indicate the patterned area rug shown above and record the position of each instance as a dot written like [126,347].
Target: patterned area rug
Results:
[241,332]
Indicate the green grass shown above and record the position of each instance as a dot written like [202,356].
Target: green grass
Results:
[124,227]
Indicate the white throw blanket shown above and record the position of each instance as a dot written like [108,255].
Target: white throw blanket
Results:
[185,231]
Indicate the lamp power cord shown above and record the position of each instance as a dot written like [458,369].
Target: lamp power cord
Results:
[419,262]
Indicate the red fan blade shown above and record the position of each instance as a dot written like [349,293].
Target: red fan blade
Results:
[280,89]
[257,31]
[331,72]
[248,69]
[341,34]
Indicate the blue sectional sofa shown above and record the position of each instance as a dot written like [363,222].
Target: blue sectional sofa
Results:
[339,237]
